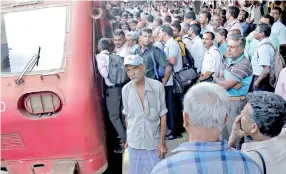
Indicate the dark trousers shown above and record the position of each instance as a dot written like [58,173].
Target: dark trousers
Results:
[263,86]
[114,107]
[172,119]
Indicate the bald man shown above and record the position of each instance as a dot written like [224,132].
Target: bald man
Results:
[141,25]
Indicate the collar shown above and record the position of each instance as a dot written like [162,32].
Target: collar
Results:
[104,52]
[223,44]
[263,41]
[169,41]
[243,23]
[211,49]
[121,48]
[196,38]
[147,85]
[147,48]
[237,59]
[202,146]
[255,145]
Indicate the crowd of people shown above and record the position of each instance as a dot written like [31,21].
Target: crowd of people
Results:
[234,108]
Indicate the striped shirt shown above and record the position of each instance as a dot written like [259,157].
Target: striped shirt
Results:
[207,157]
[240,70]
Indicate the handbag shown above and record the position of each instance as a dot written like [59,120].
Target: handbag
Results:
[183,80]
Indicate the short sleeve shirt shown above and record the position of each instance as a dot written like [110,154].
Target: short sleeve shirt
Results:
[212,60]
[143,130]
[173,49]
[279,29]
[239,70]
[264,56]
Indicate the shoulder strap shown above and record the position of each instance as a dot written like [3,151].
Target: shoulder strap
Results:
[218,50]
[232,26]
[154,65]
[262,9]
[270,44]
[187,38]
[263,161]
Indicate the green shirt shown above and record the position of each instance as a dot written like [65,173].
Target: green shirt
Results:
[159,57]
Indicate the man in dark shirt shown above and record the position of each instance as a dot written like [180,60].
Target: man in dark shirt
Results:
[152,54]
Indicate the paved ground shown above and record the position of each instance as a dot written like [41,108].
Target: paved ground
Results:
[172,144]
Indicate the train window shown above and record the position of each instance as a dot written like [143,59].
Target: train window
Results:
[24,31]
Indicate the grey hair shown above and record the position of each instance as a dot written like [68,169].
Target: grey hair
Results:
[134,36]
[268,111]
[207,105]
[239,38]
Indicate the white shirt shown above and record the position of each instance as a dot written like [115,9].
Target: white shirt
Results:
[264,56]
[173,49]
[235,24]
[197,50]
[102,60]
[208,28]
[143,130]
[212,60]
[279,29]
[123,51]
[272,150]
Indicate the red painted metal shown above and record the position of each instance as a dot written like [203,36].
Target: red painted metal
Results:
[77,131]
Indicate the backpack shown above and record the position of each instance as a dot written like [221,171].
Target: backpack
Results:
[116,71]
[159,71]
[279,64]
[188,60]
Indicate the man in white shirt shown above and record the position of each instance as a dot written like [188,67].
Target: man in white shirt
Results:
[113,92]
[263,118]
[232,21]
[278,28]
[212,59]
[263,59]
[195,46]
[173,53]
[121,46]
[205,18]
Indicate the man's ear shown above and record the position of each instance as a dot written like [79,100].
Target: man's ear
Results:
[186,120]
[254,128]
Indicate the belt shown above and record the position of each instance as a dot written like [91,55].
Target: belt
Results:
[237,98]
[116,86]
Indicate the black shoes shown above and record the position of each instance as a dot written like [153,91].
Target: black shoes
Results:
[121,148]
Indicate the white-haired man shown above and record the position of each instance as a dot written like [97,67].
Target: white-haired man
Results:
[205,113]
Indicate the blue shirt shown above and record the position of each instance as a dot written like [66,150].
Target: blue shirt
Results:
[205,158]
[223,48]
[239,70]
[245,28]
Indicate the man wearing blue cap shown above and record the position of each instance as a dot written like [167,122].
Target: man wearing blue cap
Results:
[145,110]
